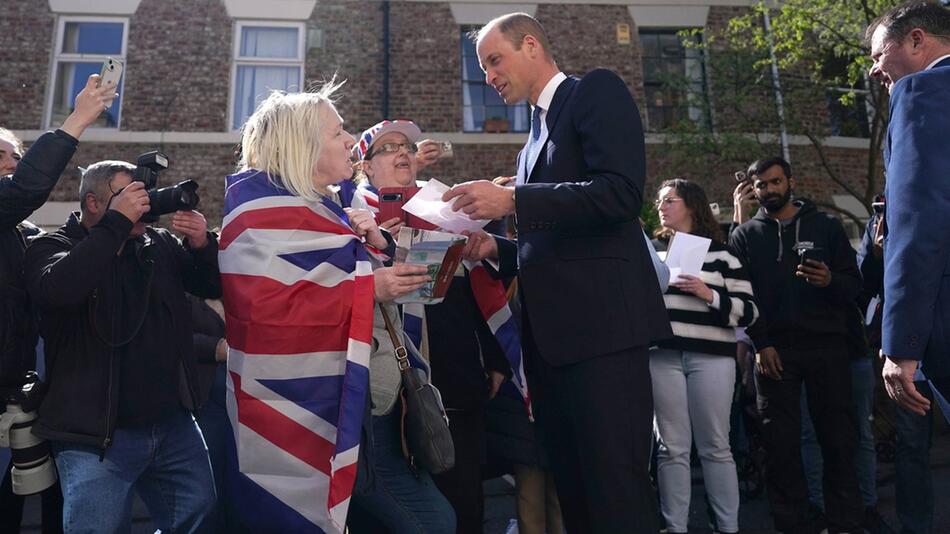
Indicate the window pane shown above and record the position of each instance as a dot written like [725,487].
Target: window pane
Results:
[93,38]
[255,83]
[471,70]
[674,78]
[70,79]
[481,101]
[257,41]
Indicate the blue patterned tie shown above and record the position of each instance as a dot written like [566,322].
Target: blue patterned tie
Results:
[533,145]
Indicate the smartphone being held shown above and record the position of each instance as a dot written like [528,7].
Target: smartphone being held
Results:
[110,74]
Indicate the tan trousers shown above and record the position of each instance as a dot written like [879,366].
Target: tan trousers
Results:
[539,511]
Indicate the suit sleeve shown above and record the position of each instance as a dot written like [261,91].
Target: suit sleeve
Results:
[611,137]
[917,246]
[870,266]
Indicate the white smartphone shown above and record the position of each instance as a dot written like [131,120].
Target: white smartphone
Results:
[110,74]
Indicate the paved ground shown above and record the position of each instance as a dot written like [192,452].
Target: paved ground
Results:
[754,518]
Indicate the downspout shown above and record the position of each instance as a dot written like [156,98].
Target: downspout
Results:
[777,87]
[385,60]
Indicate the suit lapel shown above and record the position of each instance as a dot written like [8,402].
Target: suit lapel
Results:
[550,119]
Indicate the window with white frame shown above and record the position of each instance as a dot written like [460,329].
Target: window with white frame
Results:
[267,56]
[82,44]
[483,109]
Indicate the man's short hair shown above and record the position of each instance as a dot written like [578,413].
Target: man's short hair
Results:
[762,165]
[97,177]
[899,21]
[11,138]
[515,26]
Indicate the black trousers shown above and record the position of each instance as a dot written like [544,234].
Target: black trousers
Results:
[462,485]
[826,373]
[597,416]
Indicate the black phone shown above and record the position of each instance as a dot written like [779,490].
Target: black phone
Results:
[808,251]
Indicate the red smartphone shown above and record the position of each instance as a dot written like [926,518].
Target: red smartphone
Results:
[391,200]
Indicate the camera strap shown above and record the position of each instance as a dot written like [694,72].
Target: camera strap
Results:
[149,265]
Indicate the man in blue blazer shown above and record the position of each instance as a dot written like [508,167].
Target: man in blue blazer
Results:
[590,299]
[910,47]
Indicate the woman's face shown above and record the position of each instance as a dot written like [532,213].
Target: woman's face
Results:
[333,160]
[391,169]
[673,211]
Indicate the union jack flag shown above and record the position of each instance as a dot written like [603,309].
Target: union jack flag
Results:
[298,299]
[490,295]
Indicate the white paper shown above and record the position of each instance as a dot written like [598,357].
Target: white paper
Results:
[686,255]
[427,205]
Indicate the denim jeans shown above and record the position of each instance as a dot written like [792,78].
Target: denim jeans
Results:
[166,463]
[865,456]
[402,500]
[913,484]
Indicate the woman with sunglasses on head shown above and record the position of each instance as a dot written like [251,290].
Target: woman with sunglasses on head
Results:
[694,373]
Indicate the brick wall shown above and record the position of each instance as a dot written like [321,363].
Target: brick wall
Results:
[26,42]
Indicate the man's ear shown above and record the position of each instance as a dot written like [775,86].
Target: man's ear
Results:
[91,205]
[916,37]
[791,182]
[532,45]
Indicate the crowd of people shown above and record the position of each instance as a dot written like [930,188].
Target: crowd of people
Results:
[254,377]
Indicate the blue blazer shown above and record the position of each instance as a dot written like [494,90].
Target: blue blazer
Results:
[586,278]
[916,322]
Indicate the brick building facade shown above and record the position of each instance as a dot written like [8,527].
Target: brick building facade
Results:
[182,62]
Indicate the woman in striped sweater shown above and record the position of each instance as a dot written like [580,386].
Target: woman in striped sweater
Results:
[694,373]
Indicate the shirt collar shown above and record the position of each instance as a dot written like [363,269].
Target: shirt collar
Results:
[547,94]
[938,60]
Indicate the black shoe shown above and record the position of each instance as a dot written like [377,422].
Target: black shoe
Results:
[874,523]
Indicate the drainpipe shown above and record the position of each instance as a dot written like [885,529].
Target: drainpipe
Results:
[385,60]
[777,87]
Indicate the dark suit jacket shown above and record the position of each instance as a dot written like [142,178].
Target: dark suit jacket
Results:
[916,321]
[587,281]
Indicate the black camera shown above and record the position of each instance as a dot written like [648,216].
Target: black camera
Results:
[182,196]
[33,468]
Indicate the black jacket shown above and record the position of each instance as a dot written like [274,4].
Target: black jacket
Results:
[66,272]
[20,195]
[790,309]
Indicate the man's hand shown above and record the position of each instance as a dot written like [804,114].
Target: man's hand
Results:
[193,226]
[364,224]
[877,248]
[743,199]
[393,282]
[221,351]
[815,273]
[899,383]
[131,201]
[392,226]
[90,103]
[768,363]
[481,199]
[480,245]
[502,180]
[495,380]
[428,153]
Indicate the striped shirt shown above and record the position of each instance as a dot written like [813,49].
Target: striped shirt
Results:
[710,328]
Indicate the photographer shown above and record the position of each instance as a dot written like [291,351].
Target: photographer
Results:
[117,327]
[804,277]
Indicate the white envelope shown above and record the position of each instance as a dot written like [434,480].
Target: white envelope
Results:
[686,255]
[427,205]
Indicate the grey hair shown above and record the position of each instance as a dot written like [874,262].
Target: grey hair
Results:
[899,21]
[98,176]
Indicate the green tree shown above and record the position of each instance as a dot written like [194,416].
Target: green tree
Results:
[817,49]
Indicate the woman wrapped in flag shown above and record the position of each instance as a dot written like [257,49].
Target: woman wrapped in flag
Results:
[300,289]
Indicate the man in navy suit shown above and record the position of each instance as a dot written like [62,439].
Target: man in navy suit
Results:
[910,47]
[590,299]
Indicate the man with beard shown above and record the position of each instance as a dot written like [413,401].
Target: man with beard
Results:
[804,277]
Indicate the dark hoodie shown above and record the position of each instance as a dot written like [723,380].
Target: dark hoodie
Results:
[792,311]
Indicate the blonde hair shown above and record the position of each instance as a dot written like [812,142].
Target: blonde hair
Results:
[282,137]
[11,138]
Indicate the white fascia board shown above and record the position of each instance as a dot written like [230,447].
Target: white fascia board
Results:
[477,13]
[270,10]
[94,7]
[665,16]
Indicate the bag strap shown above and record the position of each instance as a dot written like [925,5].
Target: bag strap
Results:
[402,355]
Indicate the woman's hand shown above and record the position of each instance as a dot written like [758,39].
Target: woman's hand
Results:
[392,226]
[692,284]
[401,279]
[364,224]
